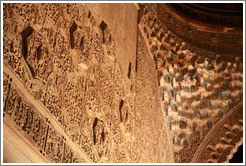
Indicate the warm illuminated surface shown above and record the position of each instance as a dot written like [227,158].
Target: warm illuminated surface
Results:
[112,83]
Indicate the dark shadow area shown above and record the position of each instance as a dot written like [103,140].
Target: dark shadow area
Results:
[25,34]
[222,14]
[238,156]
[94,133]
[72,29]
[82,43]
[39,50]
[103,27]
[120,108]
[129,70]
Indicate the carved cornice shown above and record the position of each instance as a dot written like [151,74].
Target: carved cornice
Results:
[221,141]
[224,14]
[216,41]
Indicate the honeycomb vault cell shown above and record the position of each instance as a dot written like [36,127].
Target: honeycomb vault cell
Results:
[111,83]
[196,91]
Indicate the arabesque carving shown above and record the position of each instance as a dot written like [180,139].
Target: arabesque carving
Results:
[70,89]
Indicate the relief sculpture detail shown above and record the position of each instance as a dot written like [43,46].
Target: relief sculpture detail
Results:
[72,91]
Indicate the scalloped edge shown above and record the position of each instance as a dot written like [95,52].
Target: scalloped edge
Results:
[234,150]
